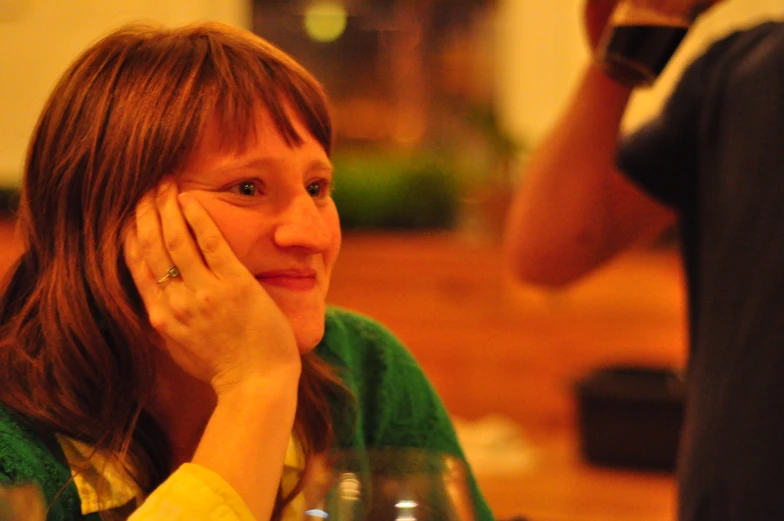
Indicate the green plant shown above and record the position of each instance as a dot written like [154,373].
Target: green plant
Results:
[395,191]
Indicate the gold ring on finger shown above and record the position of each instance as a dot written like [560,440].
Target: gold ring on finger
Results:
[171,273]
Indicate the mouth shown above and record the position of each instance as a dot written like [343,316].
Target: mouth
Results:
[298,280]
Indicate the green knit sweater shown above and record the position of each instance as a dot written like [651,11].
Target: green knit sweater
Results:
[396,407]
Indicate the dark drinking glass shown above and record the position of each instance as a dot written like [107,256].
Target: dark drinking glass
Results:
[643,35]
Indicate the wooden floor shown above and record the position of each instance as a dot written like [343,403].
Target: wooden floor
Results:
[492,347]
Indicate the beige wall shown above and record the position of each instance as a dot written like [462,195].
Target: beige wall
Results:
[542,51]
[40,38]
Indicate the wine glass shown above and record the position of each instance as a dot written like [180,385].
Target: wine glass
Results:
[21,502]
[389,484]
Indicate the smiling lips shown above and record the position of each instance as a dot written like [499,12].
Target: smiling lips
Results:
[289,279]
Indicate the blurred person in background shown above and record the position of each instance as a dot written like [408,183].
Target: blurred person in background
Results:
[166,351]
[711,162]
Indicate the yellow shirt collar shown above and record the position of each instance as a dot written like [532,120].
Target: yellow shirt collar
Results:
[87,465]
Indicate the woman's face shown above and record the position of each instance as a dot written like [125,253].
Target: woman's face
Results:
[273,205]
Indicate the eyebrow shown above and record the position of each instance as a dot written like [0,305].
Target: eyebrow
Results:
[267,163]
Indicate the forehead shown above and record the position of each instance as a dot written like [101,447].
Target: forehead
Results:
[259,144]
[224,134]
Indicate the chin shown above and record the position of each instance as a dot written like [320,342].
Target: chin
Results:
[308,334]
[308,342]
[307,321]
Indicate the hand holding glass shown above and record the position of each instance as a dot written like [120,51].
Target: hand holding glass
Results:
[642,36]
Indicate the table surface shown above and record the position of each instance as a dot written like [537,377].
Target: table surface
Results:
[494,348]
[560,487]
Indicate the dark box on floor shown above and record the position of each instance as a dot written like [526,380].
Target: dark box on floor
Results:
[630,416]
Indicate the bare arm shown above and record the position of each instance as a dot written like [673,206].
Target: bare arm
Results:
[245,441]
[574,210]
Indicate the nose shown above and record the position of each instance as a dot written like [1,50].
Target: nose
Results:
[302,225]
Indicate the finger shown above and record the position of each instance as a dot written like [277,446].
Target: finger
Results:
[178,240]
[137,266]
[150,237]
[155,301]
[216,251]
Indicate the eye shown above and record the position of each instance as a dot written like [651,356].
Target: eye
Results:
[319,189]
[247,188]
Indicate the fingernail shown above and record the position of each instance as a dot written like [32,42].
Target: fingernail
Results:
[184,198]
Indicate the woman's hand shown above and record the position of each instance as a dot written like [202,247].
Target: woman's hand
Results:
[217,322]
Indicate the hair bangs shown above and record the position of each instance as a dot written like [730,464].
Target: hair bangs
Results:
[239,79]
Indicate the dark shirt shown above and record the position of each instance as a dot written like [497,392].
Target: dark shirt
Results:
[716,155]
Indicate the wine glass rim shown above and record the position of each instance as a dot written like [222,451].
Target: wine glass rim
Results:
[412,459]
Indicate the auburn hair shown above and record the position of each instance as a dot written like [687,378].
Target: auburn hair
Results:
[76,348]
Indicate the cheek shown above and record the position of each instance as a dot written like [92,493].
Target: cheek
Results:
[336,238]
[232,221]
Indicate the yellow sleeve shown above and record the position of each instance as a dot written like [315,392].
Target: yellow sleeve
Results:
[194,493]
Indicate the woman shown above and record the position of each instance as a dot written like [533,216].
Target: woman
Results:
[166,349]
